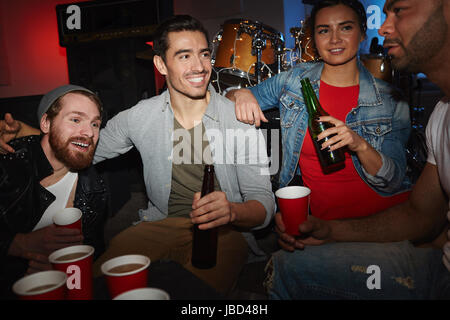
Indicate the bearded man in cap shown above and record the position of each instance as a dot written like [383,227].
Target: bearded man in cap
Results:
[46,173]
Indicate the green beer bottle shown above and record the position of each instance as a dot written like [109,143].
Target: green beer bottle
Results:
[330,161]
[204,246]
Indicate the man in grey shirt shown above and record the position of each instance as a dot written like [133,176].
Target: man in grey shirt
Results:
[206,125]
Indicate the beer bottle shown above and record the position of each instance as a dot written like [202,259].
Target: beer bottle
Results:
[329,160]
[204,246]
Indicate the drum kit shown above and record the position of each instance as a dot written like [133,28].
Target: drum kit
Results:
[247,52]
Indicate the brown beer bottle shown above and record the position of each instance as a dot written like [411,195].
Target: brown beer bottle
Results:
[329,160]
[204,246]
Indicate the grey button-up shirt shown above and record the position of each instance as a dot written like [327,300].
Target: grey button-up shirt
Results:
[238,150]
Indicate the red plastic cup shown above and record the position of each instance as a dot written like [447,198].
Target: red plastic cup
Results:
[125,281]
[68,218]
[78,270]
[294,206]
[143,294]
[52,286]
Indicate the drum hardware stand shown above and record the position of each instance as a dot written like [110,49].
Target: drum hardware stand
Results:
[296,32]
[216,40]
[279,51]
[259,44]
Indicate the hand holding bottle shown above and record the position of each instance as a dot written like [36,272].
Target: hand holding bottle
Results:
[330,160]
[341,136]
[344,136]
[211,211]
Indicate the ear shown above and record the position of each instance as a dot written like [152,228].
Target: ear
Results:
[160,65]
[45,124]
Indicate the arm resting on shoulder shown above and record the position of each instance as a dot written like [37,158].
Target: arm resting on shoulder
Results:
[246,107]
[250,103]
[11,129]
[27,130]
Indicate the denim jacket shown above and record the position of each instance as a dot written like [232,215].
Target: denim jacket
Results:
[380,117]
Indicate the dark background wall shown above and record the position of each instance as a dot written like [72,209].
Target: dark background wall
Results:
[32,62]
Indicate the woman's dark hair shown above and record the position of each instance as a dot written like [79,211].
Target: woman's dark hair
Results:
[175,24]
[355,5]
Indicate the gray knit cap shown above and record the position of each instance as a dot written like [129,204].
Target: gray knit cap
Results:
[48,99]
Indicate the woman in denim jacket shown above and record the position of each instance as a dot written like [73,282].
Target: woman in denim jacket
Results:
[374,129]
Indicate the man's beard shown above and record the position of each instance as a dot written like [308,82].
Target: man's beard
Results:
[70,158]
[426,43]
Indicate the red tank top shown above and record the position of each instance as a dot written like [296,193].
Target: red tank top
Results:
[341,194]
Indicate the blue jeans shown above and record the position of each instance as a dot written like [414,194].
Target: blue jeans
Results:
[358,271]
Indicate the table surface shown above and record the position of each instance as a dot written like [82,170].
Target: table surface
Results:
[171,277]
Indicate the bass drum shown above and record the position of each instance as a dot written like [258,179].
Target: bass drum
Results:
[235,53]
[379,66]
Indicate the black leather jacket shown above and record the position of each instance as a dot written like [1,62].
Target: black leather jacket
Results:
[23,201]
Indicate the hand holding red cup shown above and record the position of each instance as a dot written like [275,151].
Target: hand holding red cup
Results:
[293,203]
[68,218]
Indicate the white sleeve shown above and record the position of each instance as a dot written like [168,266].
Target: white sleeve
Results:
[431,133]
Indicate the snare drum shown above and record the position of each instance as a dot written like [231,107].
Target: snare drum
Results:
[378,65]
[235,53]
